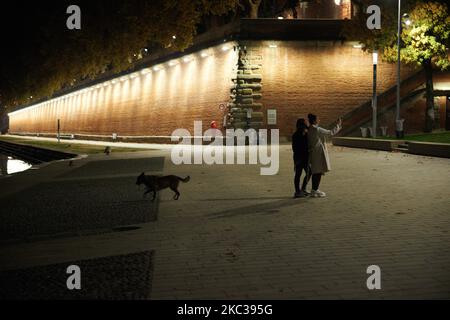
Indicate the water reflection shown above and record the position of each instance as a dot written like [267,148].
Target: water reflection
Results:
[9,165]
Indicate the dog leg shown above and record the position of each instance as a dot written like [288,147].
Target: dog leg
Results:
[177,194]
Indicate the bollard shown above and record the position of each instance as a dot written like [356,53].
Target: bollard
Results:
[363,132]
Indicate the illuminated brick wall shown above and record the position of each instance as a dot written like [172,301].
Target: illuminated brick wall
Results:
[153,102]
[326,78]
[325,9]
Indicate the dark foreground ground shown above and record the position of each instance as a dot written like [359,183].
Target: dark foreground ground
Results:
[233,234]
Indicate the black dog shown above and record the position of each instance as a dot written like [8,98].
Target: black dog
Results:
[155,184]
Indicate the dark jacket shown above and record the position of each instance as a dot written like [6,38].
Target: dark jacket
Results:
[300,147]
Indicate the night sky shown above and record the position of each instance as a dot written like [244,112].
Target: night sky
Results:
[24,25]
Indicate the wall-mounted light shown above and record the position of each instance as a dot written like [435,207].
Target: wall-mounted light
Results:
[204,54]
[187,59]
[156,68]
[357,46]
[145,71]
[338,2]
[273,46]
[225,48]
[173,63]
[280,18]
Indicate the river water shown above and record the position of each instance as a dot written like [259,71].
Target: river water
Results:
[10,165]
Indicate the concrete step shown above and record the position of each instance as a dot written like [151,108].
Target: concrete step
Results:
[398,149]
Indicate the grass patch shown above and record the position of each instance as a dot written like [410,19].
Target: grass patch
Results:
[437,137]
[66,146]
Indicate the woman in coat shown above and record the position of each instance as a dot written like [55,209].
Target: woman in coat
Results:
[318,153]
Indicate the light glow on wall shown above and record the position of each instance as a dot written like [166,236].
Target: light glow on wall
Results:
[104,108]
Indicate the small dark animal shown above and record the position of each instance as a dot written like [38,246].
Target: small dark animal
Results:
[107,151]
[155,184]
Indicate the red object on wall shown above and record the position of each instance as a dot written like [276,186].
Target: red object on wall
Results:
[213,124]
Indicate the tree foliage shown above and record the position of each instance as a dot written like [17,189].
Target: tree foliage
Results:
[427,38]
[43,56]
[424,42]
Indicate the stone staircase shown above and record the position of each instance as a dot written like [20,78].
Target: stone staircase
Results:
[410,87]
[244,109]
[402,147]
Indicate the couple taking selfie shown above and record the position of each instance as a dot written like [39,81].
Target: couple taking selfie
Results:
[311,155]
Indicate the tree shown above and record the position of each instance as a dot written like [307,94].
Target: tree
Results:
[425,41]
[254,8]
[42,56]
[425,44]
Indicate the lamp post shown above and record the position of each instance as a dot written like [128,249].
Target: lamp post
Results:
[59,130]
[399,122]
[374,96]
[399,31]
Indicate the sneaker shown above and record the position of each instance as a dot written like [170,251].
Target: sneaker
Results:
[304,194]
[321,194]
[317,194]
[297,194]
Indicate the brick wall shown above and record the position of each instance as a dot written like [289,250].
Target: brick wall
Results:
[154,104]
[326,78]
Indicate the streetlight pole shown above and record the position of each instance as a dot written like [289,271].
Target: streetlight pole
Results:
[397,110]
[374,96]
[59,130]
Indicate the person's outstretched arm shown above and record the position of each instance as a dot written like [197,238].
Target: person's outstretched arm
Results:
[332,132]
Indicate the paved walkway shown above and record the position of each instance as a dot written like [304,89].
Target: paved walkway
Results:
[235,234]
[103,143]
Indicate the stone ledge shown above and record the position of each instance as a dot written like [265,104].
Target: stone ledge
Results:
[430,149]
[374,144]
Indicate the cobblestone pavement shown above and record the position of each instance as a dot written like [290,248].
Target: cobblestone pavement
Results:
[124,277]
[82,199]
[235,234]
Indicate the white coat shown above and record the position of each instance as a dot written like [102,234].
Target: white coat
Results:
[318,153]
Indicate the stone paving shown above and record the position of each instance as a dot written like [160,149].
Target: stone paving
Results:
[124,277]
[71,203]
[235,234]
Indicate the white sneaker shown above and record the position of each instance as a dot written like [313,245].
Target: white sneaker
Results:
[318,194]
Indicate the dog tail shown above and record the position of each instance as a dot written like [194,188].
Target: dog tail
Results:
[185,180]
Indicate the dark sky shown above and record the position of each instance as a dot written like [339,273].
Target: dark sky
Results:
[27,26]
[22,22]
[22,27]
